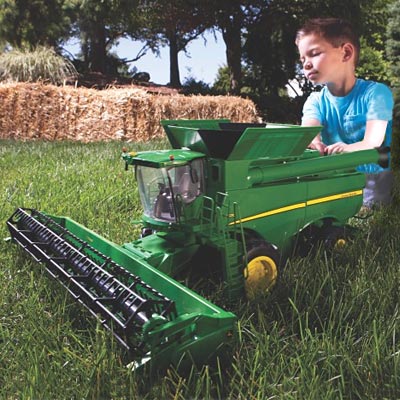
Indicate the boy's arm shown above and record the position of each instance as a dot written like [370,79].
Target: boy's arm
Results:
[316,143]
[374,136]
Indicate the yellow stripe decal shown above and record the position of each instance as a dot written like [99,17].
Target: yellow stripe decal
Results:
[271,212]
[299,205]
[334,197]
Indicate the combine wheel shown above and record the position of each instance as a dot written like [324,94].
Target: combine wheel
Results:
[335,237]
[261,272]
[307,240]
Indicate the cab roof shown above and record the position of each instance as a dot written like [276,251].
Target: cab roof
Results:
[161,158]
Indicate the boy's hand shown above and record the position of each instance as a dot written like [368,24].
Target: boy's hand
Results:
[338,147]
[318,145]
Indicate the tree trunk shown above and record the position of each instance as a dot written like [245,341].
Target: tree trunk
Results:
[231,34]
[98,53]
[174,79]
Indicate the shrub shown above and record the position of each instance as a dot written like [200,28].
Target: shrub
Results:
[193,86]
[42,64]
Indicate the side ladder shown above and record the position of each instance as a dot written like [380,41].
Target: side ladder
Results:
[228,239]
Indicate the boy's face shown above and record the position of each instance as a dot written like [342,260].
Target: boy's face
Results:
[322,63]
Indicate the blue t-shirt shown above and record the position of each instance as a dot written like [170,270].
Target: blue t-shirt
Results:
[344,118]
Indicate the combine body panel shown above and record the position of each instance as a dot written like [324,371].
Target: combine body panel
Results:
[243,192]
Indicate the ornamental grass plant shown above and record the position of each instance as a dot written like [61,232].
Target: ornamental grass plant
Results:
[41,64]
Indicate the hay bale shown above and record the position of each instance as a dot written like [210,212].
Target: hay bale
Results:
[30,111]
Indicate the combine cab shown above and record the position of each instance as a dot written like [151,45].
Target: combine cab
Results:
[242,192]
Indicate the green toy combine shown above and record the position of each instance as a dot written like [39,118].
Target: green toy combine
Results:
[243,193]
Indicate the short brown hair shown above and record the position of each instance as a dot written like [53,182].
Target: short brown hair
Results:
[336,31]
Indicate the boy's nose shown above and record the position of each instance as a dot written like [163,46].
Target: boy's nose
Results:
[307,65]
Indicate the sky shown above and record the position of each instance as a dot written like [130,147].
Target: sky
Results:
[203,59]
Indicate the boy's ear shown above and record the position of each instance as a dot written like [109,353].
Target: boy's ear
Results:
[348,51]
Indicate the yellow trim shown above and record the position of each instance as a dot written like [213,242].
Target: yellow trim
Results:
[335,197]
[271,212]
[296,206]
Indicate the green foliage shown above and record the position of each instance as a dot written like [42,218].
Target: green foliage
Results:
[274,29]
[176,26]
[99,25]
[193,86]
[41,64]
[393,41]
[258,34]
[272,107]
[372,64]
[325,332]
[222,82]
[232,18]
[373,22]
[393,53]
[26,23]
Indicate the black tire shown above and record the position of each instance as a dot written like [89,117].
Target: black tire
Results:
[336,237]
[307,241]
[329,237]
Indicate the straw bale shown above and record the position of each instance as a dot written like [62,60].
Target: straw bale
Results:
[38,111]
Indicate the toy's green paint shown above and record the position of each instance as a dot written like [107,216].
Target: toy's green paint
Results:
[220,187]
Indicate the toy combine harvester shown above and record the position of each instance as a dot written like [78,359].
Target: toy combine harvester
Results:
[242,193]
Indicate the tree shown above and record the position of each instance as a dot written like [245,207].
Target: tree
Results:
[393,44]
[393,52]
[373,64]
[99,25]
[232,18]
[270,52]
[178,23]
[28,23]
[229,20]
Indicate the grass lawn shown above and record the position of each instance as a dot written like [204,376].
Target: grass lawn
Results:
[329,330]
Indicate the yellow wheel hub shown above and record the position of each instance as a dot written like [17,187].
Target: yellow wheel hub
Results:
[260,275]
[340,243]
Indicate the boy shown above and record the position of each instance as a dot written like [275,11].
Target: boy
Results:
[355,114]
